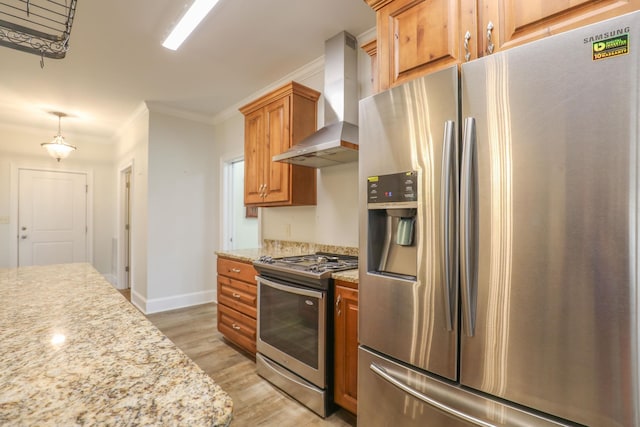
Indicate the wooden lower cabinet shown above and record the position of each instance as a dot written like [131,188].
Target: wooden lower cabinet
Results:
[237,303]
[237,327]
[346,345]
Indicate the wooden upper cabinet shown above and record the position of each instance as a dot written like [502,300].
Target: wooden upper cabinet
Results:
[371,48]
[273,123]
[515,22]
[417,37]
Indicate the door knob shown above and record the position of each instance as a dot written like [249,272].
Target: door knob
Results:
[24,236]
[23,228]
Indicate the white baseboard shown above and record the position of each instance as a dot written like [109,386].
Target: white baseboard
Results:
[156,305]
[137,300]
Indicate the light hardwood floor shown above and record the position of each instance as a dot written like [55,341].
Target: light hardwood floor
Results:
[255,401]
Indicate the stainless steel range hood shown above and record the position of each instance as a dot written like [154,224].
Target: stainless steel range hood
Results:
[337,141]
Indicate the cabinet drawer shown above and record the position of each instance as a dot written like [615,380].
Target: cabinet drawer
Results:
[237,327]
[237,270]
[238,295]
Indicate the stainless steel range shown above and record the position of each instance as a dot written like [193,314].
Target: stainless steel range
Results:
[295,324]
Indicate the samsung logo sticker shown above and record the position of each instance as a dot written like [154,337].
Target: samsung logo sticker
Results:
[608,34]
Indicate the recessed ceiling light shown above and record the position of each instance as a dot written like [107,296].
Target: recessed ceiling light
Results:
[188,23]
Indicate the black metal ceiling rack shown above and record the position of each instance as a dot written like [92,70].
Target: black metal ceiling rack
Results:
[41,27]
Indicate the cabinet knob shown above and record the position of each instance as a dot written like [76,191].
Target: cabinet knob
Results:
[235,295]
[235,270]
[236,327]
[338,301]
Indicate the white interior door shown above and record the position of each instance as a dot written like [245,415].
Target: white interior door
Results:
[52,217]
[127,227]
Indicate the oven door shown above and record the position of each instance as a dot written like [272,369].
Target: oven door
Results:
[292,328]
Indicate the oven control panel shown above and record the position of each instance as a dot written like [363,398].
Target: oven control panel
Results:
[393,188]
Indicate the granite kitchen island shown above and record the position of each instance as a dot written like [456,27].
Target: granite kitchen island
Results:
[73,351]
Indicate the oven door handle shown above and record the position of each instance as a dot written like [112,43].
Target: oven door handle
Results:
[291,289]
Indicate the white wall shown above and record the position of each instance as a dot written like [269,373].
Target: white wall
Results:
[182,215]
[20,147]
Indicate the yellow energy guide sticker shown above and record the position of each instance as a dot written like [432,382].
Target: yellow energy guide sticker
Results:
[614,46]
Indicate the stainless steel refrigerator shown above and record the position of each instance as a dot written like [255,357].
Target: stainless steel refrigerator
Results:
[499,223]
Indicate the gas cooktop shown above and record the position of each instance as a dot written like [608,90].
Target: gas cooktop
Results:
[319,265]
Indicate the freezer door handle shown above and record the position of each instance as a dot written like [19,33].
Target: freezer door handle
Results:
[447,206]
[468,227]
[382,372]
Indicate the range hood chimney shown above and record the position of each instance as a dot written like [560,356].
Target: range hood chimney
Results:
[337,141]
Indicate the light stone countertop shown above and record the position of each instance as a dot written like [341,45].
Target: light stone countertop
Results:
[73,351]
[347,276]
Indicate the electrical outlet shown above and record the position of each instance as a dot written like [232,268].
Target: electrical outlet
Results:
[4,220]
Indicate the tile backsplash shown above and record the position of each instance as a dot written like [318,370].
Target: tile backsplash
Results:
[294,248]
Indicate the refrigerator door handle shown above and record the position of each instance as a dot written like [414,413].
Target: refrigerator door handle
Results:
[467,274]
[448,157]
[382,372]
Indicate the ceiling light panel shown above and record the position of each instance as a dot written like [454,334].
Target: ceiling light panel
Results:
[196,13]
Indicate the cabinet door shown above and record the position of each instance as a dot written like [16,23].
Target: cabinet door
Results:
[237,327]
[278,141]
[346,348]
[516,22]
[254,157]
[417,37]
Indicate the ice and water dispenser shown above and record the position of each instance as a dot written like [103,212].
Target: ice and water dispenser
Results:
[392,202]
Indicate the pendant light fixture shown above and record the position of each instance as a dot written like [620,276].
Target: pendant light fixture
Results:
[58,148]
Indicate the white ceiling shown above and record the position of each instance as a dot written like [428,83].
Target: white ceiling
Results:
[116,60]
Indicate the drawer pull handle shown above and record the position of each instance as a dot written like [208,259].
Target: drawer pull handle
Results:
[236,327]
[235,295]
[235,270]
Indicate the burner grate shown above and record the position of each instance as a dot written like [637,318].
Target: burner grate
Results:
[313,266]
